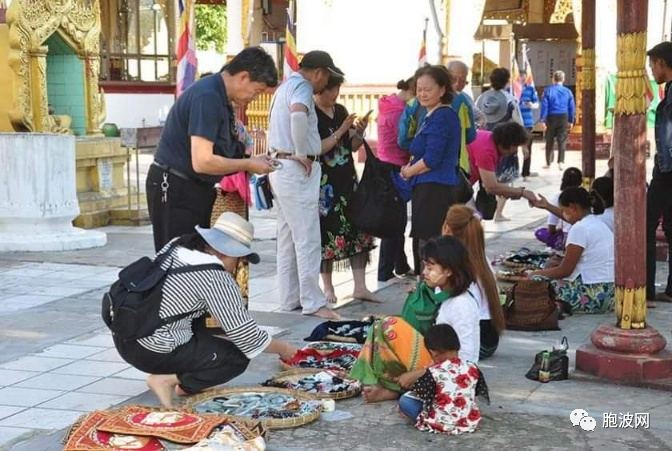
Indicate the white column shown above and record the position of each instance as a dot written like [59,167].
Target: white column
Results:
[234,30]
[462,21]
[38,195]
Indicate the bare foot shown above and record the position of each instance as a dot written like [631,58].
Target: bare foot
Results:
[651,304]
[366,295]
[326,313]
[163,386]
[180,392]
[502,219]
[663,297]
[331,297]
[376,393]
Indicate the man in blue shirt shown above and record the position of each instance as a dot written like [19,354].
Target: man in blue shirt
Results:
[557,117]
[528,101]
[199,144]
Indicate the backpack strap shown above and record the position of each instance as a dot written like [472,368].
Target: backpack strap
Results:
[196,268]
[185,270]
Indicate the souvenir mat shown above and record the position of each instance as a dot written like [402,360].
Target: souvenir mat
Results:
[511,275]
[323,384]
[326,347]
[275,408]
[176,425]
[526,259]
[347,331]
[85,436]
[231,436]
[341,359]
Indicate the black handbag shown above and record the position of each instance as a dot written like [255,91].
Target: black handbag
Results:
[376,207]
[559,364]
[466,190]
[486,203]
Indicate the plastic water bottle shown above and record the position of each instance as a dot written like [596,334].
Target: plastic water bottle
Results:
[545,368]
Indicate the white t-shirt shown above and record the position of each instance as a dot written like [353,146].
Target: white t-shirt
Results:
[462,312]
[482,299]
[596,264]
[555,220]
[294,90]
[608,218]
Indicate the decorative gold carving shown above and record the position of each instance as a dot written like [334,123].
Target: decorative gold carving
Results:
[562,9]
[549,9]
[257,112]
[245,25]
[631,78]
[31,23]
[630,307]
[494,10]
[588,70]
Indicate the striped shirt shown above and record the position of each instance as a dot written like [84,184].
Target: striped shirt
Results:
[209,291]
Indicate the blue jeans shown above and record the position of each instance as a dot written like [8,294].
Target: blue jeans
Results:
[410,406]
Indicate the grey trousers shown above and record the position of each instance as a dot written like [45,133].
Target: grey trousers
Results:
[556,130]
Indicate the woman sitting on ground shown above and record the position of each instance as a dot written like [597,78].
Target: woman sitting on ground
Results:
[393,347]
[602,194]
[463,223]
[442,398]
[556,230]
[183,356]
[603,191]
[584,281]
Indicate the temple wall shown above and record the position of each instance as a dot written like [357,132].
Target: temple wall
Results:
[6,81]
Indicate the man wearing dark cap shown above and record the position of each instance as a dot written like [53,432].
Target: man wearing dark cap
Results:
[294,140]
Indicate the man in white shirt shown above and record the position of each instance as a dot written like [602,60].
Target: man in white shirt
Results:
[293,138]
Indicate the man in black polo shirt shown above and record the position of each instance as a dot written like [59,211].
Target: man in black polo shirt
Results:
[199,145]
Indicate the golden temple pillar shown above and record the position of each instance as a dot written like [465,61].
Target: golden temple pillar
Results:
[94,98]
[37,64]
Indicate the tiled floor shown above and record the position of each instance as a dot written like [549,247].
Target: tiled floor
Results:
[27,285]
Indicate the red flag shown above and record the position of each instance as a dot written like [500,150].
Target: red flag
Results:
[422,57]
[529,80]
[516,87]
[291,58]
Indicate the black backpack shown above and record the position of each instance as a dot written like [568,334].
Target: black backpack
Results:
[131,307]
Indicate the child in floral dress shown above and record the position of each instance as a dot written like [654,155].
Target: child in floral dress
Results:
[443,397]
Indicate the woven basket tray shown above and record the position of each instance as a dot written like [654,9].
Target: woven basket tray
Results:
[508,277]
[270,423]
[515,265]
[295,374]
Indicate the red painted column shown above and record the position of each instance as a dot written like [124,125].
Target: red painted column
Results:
[629,148]
[629,352]
[588,90]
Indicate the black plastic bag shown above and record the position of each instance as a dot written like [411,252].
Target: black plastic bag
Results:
[376,207]
[559,364]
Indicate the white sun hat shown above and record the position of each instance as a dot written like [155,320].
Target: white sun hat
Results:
[231,235]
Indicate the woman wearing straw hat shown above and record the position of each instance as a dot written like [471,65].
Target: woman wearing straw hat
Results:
[182,356]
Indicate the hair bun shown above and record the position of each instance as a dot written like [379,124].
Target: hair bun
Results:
[403,85]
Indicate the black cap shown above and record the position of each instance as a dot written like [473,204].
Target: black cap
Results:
[317,59]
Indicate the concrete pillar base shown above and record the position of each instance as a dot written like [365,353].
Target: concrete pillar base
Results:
[630,357]
[38,199]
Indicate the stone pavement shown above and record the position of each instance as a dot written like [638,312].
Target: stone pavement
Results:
[57,360]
